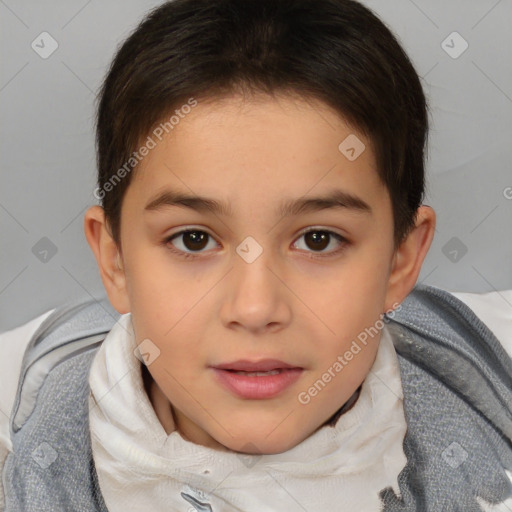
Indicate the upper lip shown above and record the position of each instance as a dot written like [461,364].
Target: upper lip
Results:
[264,365]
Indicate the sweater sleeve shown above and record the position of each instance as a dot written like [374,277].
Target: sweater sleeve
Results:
[12,348]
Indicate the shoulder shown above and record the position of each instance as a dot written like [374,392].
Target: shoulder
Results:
[442,340]
[13,344]
[475,319]
[32,357]
[456,372]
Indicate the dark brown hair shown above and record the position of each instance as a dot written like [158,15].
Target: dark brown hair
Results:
[336,51]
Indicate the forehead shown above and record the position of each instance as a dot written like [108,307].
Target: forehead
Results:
[261,147]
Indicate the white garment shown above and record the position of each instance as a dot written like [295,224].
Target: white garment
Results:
[140,467]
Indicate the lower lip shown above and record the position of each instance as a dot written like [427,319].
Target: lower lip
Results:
[258,387]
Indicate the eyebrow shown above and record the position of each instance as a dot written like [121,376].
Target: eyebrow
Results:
[333,200]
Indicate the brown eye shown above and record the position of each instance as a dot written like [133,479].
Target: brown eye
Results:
[191,241]
[195,240]
[318,240]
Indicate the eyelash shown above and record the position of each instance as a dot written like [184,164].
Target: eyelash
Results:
[187,255]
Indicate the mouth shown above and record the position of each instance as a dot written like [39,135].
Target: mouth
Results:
[257,380]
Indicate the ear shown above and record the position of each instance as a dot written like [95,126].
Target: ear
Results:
[409,257]
[108,258]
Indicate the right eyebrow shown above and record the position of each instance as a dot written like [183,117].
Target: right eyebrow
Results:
[198,203]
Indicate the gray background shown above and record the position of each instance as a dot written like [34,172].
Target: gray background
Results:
[47,141]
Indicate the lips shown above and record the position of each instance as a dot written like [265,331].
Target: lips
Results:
[264,365]
[257,380]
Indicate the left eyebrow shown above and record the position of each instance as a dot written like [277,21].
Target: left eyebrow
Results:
[335,199]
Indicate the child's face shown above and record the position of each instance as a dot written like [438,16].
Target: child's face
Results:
[302,301]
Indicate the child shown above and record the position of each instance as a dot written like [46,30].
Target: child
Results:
[261,230]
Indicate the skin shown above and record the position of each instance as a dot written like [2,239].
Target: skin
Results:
[297,302]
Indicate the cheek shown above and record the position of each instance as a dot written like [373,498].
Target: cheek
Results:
[353,300]
[352,308]
[159,294]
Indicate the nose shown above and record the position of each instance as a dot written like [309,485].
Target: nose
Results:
[256,297]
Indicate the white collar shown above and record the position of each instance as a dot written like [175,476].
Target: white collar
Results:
[139,466]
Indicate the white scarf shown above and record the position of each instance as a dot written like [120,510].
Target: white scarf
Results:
[141,467]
